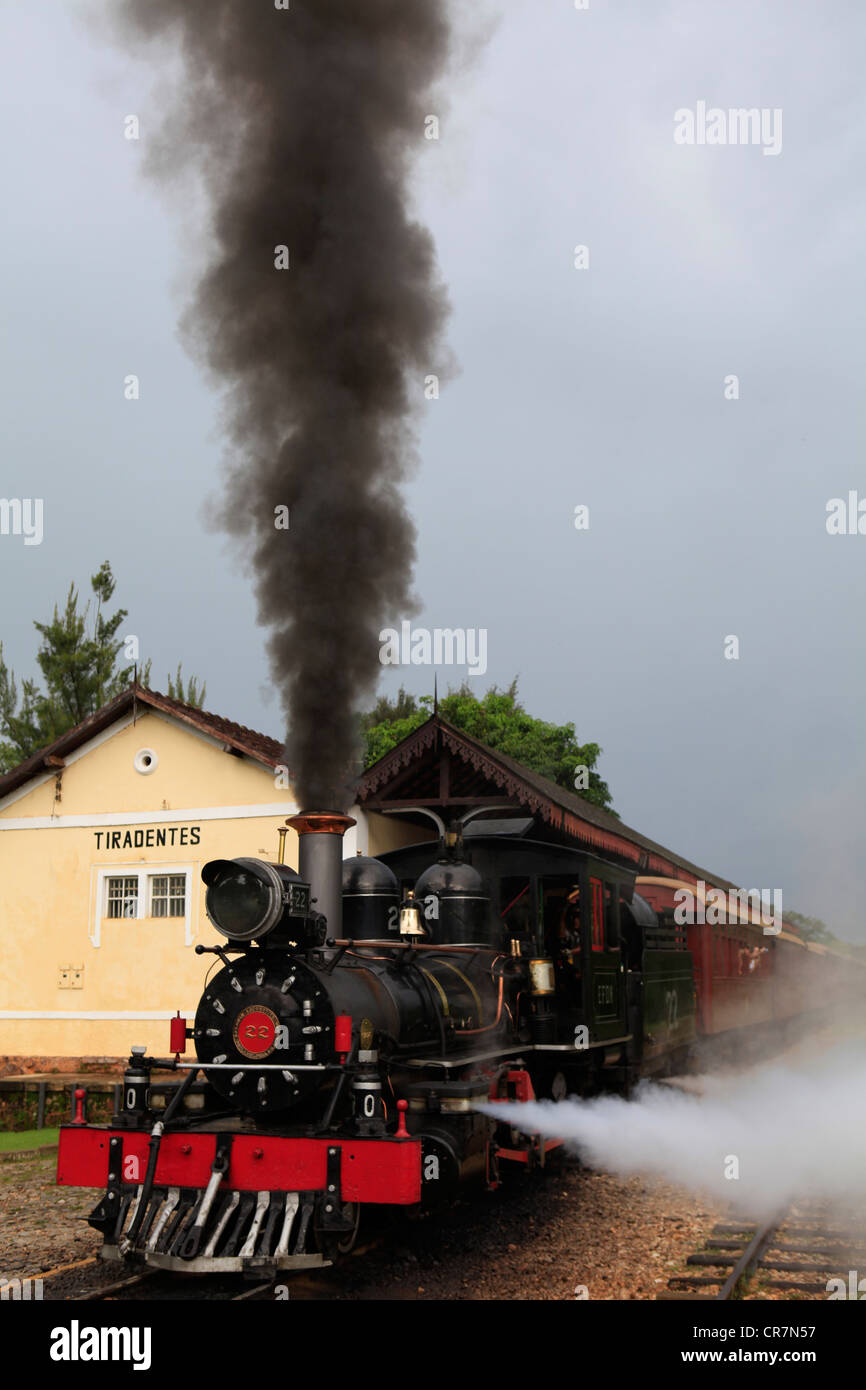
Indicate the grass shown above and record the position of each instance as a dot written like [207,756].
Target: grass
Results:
[11,1140]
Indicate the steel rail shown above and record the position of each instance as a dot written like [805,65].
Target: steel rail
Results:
[750,1258]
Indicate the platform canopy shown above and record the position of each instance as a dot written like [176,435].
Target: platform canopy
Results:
[443,769]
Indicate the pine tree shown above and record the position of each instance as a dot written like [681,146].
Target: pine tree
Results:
[80,671]
[192,695]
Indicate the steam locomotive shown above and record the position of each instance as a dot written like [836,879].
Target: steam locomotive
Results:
[346,1040]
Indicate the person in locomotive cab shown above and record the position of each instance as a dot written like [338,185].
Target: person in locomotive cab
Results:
[569,930]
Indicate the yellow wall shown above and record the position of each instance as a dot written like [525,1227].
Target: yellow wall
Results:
[390,832]
[49,875]
[50,888]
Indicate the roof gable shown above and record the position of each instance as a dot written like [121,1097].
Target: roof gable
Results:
[444,768]
[234,737]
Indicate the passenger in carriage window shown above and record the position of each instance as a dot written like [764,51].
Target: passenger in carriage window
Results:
[754,956]
[748,958]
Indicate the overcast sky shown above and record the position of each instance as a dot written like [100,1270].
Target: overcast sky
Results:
[602,386]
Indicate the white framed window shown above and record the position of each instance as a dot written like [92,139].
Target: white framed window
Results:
[167,895]
[121,895]
[140,893]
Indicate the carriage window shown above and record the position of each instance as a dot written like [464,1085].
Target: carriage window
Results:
[597,896]
[611,935]
[756,959]
[752,958]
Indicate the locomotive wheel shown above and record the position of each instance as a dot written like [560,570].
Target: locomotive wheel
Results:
[335,1245]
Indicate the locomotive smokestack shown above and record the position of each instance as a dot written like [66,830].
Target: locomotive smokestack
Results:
[320,860]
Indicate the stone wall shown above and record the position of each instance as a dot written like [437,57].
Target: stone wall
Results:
[15,1066]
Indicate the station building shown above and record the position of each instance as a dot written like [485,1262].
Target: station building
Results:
[103,836]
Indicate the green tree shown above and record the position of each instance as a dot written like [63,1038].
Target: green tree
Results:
[499,720]
[810,928]
[79,662]
[192,695]
[387,711]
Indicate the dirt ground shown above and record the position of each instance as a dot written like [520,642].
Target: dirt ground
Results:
[555,1235]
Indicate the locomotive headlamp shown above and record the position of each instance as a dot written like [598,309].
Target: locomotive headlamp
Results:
[247,898]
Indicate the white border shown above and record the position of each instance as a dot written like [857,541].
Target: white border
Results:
[144,817]
[99,1015]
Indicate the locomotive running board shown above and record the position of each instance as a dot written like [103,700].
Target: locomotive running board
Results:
[570,1047]
[449,1062]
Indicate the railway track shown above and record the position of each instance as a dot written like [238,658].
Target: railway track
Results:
[155,1285]
[797,1252]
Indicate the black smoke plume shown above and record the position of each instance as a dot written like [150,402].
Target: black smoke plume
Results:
[302,123]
